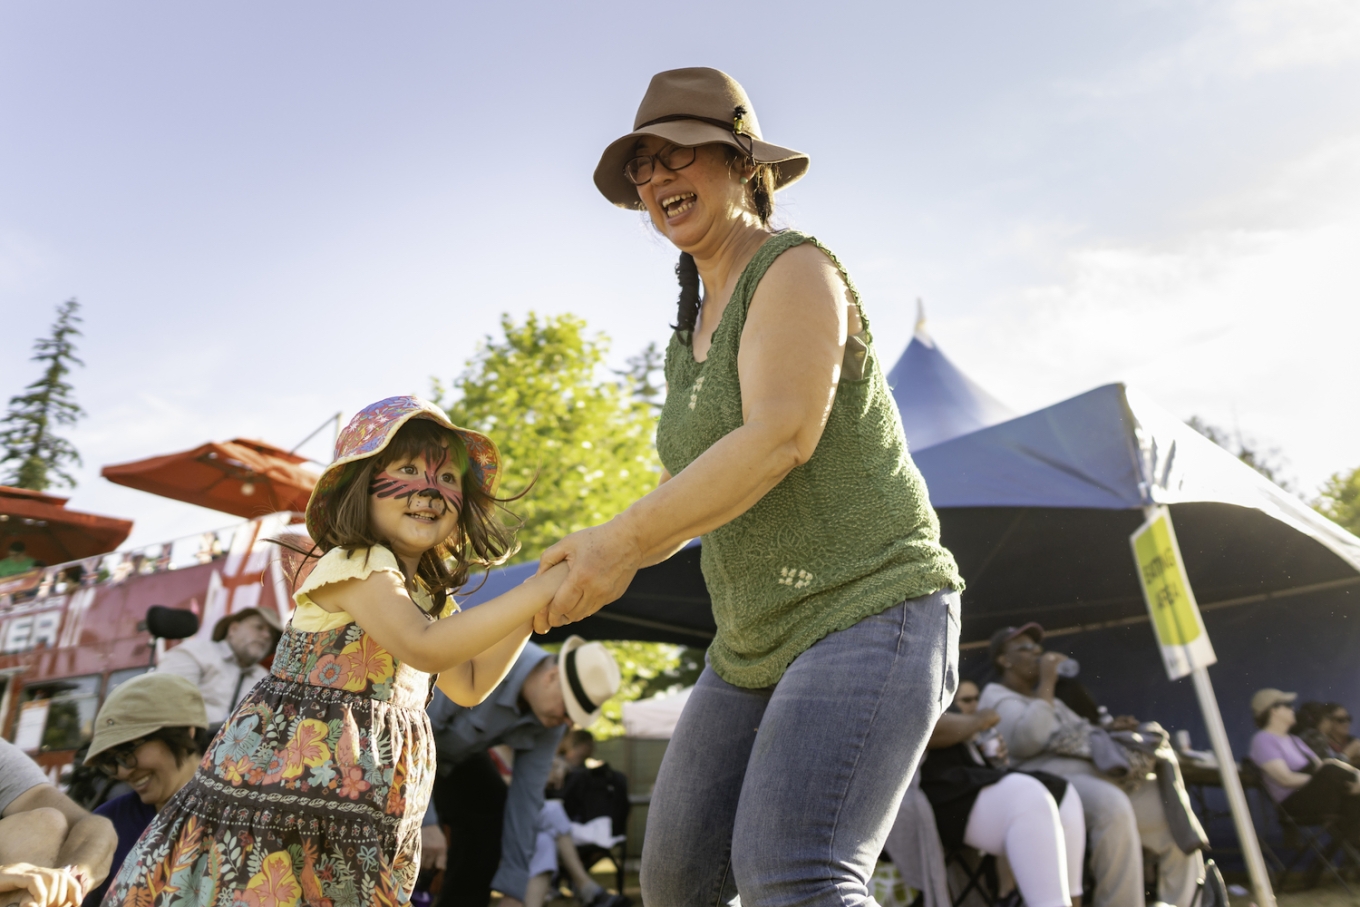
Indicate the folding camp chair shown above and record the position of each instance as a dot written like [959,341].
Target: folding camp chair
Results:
[978,871]
[1300,840]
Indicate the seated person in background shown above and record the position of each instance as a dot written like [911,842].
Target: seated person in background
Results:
[1334,727]
[227,666]
[554,848]
[1306,787]
[17,560]
[151,733]
[1033,819]
[1043,733]
[51,851]
[576,747]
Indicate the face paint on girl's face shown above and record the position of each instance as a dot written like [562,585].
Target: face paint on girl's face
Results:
[406,480]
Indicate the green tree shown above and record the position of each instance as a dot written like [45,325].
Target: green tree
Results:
[587,441]
[646,374]
[28,436]
[1269,462]
[540,392]
[1339,500]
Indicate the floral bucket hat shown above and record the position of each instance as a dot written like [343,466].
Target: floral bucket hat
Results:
[369,433]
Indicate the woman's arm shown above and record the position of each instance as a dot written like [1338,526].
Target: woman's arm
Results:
[789,365]
[381,605]
[953,728]
[1281,774]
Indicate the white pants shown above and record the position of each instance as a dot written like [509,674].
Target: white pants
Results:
[1043,841]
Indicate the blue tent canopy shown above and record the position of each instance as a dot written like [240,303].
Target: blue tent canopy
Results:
[937,401]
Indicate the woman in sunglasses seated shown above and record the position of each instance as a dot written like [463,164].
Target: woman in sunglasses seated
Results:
[150,734]
[1307,788]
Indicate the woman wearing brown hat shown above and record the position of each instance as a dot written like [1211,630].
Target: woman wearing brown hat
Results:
[836,605]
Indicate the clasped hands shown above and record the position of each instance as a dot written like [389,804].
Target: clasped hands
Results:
[601,562]
[42,886]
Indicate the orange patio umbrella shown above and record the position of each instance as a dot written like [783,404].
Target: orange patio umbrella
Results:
[241,477]
[50,532]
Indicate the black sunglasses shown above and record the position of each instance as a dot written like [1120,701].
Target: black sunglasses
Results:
[121,756]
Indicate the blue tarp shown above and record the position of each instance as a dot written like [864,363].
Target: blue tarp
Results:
[937,401]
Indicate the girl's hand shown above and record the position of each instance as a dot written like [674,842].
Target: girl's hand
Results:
[601,562]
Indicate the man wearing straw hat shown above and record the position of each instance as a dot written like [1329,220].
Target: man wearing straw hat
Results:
[227,666]
[494,829]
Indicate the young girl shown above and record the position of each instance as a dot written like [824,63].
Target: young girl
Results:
[314,790]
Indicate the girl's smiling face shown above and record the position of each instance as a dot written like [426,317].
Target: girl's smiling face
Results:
[414,502]
[694,203]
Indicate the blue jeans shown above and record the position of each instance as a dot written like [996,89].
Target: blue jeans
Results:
[784,796]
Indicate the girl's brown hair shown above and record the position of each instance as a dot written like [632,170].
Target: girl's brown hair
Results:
[480,539]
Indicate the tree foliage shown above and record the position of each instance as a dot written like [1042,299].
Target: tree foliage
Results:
[1269,462]
[588,442]
[1339,500]
[38,456]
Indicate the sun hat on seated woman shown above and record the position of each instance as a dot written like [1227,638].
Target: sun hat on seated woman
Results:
[694,106]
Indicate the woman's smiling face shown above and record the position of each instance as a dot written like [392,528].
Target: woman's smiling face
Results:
[414,502]
[157,776]
[686,205]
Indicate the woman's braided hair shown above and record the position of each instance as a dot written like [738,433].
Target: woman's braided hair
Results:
[760,190]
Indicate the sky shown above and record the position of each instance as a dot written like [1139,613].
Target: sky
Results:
[271,213]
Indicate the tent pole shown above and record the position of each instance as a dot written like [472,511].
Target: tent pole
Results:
[1232,786]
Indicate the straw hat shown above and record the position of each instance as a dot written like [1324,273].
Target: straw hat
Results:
[369,433]
[1267,699]
[144,705]
[695,106]
[589,677]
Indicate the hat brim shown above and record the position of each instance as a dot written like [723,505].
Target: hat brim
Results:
[579,716]
[131,732]
[789,165]
[479,448]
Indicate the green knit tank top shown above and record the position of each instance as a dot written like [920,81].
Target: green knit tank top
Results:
[848,534]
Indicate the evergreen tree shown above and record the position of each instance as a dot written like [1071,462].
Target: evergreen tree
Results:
[27,434]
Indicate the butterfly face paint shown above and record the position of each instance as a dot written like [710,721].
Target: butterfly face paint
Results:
[401,484]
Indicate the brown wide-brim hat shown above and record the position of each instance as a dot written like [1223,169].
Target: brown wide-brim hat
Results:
[267,615]
[695,106]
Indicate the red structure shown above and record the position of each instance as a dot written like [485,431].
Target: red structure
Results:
[69,633]
[240,477]
[50,532]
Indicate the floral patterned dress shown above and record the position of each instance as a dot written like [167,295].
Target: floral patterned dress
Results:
[314,790]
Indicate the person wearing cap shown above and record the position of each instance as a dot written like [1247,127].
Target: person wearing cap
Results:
[1042,733]
[51,850]
[494,829]
[1306,787]
[783,449]
[149,734]
[226,666]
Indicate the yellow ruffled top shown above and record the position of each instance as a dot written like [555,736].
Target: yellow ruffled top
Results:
[339,565]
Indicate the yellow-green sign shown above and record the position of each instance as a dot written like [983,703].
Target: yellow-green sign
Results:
[1170,600]
[1173,609]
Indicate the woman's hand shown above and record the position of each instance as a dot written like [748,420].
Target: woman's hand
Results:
[601,562]
[46,887]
